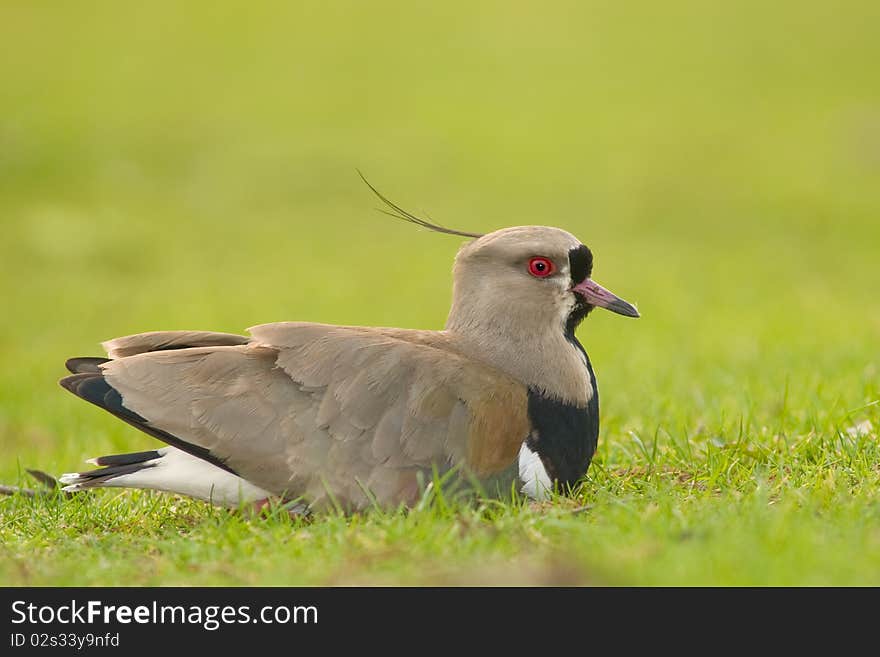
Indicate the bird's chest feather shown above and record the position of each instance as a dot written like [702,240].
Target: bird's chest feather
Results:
[562,439]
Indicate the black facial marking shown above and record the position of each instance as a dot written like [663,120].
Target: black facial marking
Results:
[580,263]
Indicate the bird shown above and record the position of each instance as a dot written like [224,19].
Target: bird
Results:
[503,398]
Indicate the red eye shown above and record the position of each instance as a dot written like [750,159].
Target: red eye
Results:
[540,267]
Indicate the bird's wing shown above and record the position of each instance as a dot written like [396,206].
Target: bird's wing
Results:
[338,415]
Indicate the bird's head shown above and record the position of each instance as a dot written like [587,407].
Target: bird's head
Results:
[525,280]
[536,277]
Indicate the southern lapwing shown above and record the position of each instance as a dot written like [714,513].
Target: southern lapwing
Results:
[348,417]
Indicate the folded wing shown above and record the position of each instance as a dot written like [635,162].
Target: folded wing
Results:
[338,415]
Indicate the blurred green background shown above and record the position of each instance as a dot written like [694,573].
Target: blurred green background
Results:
[173,165]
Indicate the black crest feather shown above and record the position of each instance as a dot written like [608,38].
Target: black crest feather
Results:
[398,212]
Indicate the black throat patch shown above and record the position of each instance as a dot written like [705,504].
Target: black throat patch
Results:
[564,435]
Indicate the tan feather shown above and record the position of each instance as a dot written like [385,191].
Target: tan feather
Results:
[130,345]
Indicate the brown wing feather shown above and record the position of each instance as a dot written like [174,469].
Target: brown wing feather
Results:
[434,390]
[325,411]
[130,345]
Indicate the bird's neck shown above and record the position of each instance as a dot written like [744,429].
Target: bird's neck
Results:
[563,402]
[549,362]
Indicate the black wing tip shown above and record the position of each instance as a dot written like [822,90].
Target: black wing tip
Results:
[84,385]
[72,383]
[85,364]
[93,387]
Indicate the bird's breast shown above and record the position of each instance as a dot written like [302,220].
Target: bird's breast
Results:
[564,434]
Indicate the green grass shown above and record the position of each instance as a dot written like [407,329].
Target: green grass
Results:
[166,166]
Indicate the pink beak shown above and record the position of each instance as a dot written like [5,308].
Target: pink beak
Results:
[596,295]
